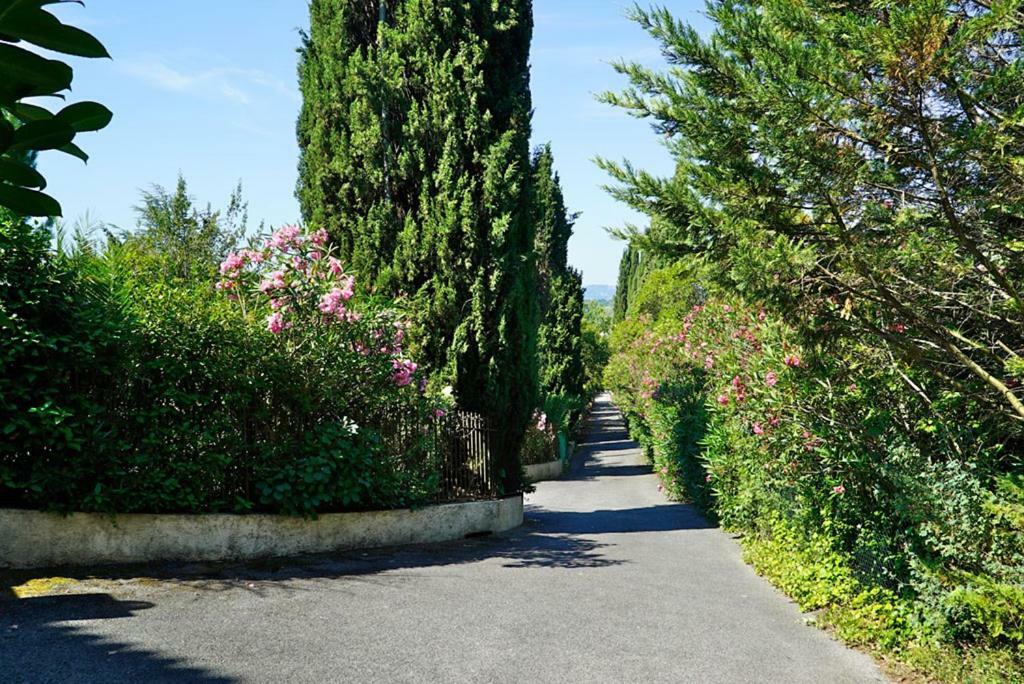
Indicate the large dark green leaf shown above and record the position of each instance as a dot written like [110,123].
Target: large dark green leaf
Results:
[85,116]
[27,112]
[28,202]
[75,151]
[20,174]
[41,28]
[26,74]
[48,134]
[6,134]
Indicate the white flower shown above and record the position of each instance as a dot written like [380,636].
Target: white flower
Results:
[349,426]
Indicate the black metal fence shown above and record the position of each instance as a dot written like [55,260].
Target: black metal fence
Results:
[457,449]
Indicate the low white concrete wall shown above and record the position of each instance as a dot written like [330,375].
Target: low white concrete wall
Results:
[30,539]
[544,471]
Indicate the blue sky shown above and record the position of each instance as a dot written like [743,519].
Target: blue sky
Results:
[207,88]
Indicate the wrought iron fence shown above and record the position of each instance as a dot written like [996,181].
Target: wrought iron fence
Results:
[457,448]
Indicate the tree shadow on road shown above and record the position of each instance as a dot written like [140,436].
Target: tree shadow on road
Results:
[40,642]
[665,518]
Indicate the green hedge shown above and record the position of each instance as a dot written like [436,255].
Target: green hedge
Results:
[903,519]
[122,390]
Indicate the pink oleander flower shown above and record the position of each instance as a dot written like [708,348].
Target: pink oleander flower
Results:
[542,422]
[335,265]
[348,289]
[839,489]
[723,399]
[403,372]
[762,316]
[708,478]
[439,413]
[709,362]
[771,379]
[319,238]
[898,328]
[737,383]
[332,302]
[275,323]
[232,264]
[792,361]
[315,255]
[274,281]
[255,256]
[758,430]
[285,238]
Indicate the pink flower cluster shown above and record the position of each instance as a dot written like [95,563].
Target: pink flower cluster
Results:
[333,303]
[296,275]
[403,372]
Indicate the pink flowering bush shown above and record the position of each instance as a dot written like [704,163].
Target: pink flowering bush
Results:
[833,448]
[294,283]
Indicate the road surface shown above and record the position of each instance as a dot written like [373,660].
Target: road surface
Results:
[606,582]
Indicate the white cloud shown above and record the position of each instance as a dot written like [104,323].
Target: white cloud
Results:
[241,86]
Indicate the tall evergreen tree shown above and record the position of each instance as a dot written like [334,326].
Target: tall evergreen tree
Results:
[414,138]
[629,280]
[853,163]
[560,287]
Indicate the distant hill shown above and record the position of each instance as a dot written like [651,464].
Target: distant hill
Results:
[599,293]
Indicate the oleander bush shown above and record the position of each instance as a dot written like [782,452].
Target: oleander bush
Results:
[124,388]
[898,516]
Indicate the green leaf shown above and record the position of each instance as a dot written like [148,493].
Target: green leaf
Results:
[26,74]
[20,174]
[28,202]
[75,151]
[28,112]
[85,116]
[42,135]
[6,134]
[41,28]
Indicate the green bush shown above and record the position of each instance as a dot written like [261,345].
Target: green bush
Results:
[125,390]
[853,493]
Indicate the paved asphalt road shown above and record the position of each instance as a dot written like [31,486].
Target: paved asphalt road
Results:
[606,582]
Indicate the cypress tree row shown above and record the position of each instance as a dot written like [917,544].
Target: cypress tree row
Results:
[629,266]
[414,139]
[560,287]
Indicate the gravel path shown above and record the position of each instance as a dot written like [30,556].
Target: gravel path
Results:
[606,582]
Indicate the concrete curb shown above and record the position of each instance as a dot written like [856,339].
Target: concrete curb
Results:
[544,471]
[30,539]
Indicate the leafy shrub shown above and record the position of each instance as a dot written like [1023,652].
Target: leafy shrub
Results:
[539,443]
[25,128]
[126,390]
[853,492]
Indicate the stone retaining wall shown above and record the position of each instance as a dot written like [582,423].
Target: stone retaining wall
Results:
[30,539]
[544,471]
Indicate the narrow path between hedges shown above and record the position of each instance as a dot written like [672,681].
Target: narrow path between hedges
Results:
[606,582]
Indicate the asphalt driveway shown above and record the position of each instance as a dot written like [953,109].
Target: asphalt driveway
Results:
[606,582]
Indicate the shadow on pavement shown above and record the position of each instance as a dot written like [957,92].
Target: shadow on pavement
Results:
[40,642]
[667,518]
[593,472]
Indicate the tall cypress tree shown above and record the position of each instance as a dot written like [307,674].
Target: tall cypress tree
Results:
[628,265]
[560,287]
[414,138]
